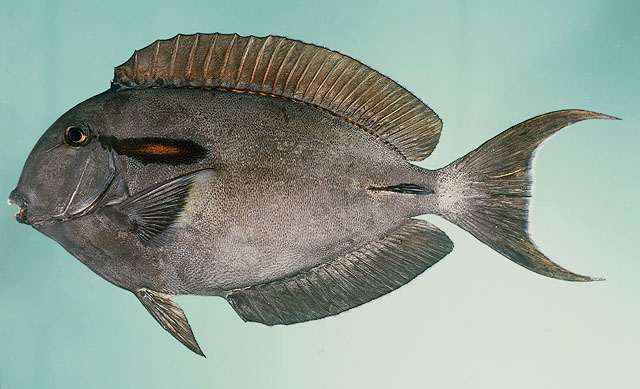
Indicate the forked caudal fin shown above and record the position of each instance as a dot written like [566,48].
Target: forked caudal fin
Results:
[487,191]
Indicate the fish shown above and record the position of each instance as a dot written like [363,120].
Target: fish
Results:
[276,174]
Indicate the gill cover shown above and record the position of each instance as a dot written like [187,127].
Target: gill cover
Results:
[60,181]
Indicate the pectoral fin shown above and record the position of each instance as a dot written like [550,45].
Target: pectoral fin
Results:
[150,213]
[170,316]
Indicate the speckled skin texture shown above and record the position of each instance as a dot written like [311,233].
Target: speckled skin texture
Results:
[289,189]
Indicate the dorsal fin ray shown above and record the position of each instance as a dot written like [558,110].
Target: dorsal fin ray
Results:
[282,67]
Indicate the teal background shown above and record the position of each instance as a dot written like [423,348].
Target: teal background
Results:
[474,320]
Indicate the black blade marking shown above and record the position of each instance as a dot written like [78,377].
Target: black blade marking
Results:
[157,150]
[403,188]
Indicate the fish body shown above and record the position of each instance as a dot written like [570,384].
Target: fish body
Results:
[272,173]
[283,187]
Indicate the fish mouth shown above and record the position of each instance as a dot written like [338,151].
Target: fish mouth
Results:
[18,199]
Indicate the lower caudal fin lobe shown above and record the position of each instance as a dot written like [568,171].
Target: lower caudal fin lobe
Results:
[487,191]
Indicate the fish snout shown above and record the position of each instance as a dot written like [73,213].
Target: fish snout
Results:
[17,198]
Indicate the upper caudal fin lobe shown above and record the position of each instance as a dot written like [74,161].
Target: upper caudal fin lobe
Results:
[487,191]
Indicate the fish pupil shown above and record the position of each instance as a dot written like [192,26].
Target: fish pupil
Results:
[75,136]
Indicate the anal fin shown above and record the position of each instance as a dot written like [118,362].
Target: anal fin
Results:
[170,316]
[371,271]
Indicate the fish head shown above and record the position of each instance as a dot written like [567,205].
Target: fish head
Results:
[68,172]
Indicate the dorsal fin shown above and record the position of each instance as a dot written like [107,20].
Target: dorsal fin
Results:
[282,67]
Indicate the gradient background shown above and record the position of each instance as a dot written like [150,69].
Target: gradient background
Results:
[474,320]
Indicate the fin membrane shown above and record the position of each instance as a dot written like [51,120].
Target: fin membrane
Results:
[290,69]
[487,191]
[170,316]
[348,281]
[152,212]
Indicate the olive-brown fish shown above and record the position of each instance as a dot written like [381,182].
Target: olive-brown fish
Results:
[273,173]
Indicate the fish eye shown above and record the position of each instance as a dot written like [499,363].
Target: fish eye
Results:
[75,136]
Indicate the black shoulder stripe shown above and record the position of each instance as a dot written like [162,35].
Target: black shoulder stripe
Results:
[157,150]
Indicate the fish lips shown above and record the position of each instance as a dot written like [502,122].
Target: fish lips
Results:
[24,216]
[17,198]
